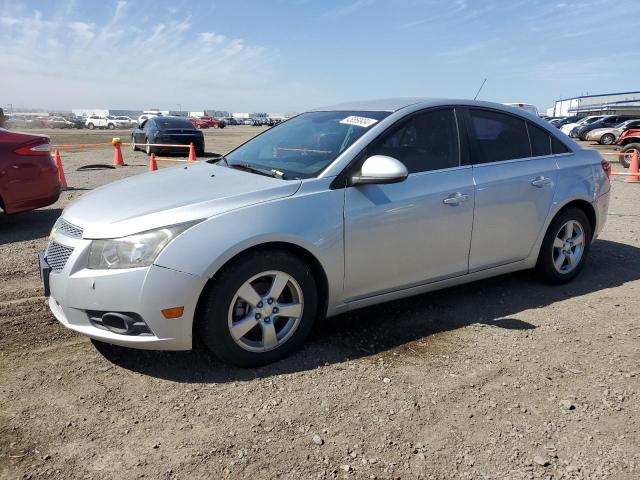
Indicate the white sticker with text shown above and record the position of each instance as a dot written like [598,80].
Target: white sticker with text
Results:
[359,121]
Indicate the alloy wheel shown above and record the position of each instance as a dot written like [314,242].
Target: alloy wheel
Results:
[568,247]
[265,311]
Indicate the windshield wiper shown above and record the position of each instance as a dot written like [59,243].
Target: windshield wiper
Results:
[260,171]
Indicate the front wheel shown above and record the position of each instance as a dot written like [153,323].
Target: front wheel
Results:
[565,247]
[133,144]
[111,126]
[91,126]
[148,148]
[260,309]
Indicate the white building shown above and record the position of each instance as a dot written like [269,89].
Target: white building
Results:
[609,103]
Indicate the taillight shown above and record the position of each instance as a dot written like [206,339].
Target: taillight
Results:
[606,166]
[36,147]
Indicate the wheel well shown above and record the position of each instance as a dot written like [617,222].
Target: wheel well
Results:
[586,207]
[318,273]
[627,141]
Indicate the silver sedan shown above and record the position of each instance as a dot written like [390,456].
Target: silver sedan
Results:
[333,210]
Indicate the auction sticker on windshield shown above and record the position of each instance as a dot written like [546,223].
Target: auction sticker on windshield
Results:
[359,121]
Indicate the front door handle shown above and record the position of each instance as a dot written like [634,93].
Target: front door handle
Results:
[540,182]
[455,199]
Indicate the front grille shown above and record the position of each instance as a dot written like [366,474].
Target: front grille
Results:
[68,229]
[57,256]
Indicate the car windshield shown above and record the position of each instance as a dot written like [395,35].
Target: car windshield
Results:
[166,122]
[304,145]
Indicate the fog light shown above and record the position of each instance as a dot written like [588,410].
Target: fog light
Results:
[173,312]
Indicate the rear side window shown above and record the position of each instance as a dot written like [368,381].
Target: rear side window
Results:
[557,147]
[540,141]
[498,136]
[427,141]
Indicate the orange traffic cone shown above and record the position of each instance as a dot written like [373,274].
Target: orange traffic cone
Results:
[63,179]
[634,168]
[192,152]
[118,161]
[153,164]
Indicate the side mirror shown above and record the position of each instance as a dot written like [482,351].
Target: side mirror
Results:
[380,169]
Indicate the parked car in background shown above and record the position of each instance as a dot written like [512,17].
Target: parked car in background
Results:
[78,122]
[3,118]
[59,122]
[608,136]
[527,107]
[126,122]
[169,131]
[146,116]
[28,174]
[98,121]
[607,121]
[201,122]
[629,140]
[569,127]
[231,121]
[333,210]
[19,121]
[564,121]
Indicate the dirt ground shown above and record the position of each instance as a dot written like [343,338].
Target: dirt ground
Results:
[500,379]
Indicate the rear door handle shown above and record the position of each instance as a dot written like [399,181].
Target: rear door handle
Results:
[540,182]
[455,199]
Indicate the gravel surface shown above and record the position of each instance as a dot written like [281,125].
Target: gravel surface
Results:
[504,378]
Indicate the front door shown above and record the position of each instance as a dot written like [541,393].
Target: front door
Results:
[417,231]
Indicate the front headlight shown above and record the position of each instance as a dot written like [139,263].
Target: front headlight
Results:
[138,250]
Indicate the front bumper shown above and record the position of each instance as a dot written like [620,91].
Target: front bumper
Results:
[144,291]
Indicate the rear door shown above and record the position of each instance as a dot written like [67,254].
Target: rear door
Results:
[419,230]
[515,177]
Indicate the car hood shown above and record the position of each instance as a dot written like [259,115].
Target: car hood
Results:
[170,196]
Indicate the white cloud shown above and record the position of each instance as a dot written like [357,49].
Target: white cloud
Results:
[348,9]
[83,30]
[127,61]
[212,38]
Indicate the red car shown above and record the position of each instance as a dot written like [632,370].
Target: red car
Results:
[28,174]
[629,140]
[206,122]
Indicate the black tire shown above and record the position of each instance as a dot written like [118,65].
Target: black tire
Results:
[133,141]
[212,321]
[607,139]
[149,150]
[625,160]
[200,152]
[545,268]
[91,126]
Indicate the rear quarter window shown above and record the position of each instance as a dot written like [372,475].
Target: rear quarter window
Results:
[557,147]
[540,141]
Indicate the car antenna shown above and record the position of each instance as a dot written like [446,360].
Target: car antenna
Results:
[478,92]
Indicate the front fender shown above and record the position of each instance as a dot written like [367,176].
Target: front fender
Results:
[310,219]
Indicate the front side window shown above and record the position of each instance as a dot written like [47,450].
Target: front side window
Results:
[305,145]
[424,142]
[498,136]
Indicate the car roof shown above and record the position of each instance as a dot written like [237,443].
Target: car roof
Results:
[395,104]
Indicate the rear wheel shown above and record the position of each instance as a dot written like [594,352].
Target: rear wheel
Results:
[607,139]
[260,309]
[565,247]
[625,160]
[111,126]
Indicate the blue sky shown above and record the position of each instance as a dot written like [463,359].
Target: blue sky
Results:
[292,55]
